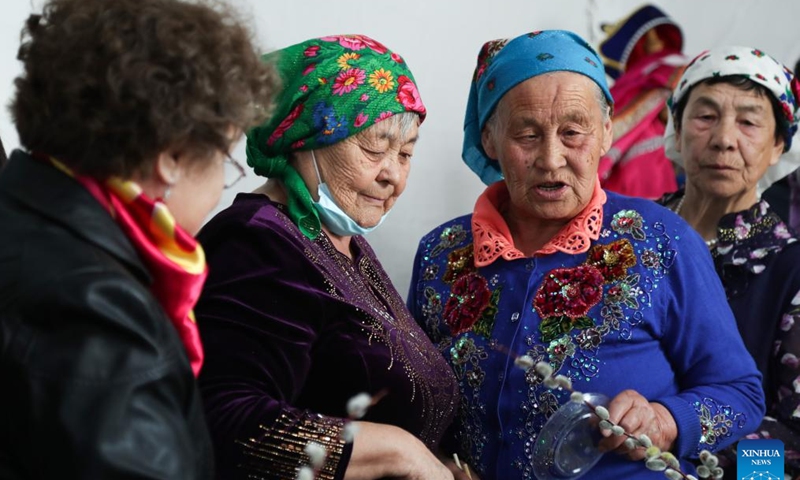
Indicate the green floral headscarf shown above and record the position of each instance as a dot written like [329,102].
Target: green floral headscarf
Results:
[333,87]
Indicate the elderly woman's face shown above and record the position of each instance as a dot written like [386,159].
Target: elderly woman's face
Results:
[548,135]
[727,139]
[367,172]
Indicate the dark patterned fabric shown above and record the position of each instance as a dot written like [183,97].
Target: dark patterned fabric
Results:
[758,259]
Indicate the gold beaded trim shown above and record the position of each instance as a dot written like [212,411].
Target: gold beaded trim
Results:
[279,452]
[728,235]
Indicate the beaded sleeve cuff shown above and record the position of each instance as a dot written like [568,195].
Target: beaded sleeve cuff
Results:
[279,451]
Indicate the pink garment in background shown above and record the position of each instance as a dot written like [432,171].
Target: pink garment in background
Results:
[636,164]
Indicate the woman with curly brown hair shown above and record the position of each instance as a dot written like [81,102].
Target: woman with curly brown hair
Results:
[127,110]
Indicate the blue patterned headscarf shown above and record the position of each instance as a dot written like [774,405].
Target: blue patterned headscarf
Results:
[503,64]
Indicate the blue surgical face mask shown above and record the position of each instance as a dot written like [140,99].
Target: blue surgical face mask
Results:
[332,215]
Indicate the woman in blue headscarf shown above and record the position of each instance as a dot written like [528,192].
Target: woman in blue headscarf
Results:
[617,294]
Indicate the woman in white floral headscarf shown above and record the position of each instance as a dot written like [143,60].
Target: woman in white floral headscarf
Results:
[734,118]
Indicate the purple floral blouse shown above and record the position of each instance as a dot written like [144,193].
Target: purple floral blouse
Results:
[758,260]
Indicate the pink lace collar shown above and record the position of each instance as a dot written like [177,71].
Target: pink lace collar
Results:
[492,237]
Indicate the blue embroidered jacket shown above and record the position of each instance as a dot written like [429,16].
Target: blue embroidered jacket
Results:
[643,309]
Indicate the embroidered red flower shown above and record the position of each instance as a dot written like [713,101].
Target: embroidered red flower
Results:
[311,51]
[613,260]
[569,292]
[469,297]
[408,96]
[285,124]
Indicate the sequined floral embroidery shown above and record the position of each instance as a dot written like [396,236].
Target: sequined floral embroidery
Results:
[589,339]
[564,298]
[624,292]
[651,259]
[459,262]
[465,353]
[612,316]
[485,324]
[613,260]
[629,222]
[469,297]
[433,304]
[561,348]
[431,309]
[462,351]
[472,304]
[717,421]
[450,237]
[430,272]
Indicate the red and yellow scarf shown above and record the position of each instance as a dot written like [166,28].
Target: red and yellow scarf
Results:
[174,259]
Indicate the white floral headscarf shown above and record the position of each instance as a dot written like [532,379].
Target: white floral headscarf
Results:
[761,69]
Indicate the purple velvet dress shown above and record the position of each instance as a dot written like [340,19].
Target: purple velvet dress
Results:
[292,330]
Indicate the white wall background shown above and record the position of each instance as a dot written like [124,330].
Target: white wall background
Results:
[440,40]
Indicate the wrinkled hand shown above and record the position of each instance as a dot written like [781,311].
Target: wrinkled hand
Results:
[387,451]
[423,465]
[638,416]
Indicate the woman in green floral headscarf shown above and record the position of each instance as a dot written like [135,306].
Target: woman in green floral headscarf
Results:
[298,316]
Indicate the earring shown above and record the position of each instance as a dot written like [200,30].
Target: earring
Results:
[166,193]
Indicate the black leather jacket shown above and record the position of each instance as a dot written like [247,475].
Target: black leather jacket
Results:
[94,381]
